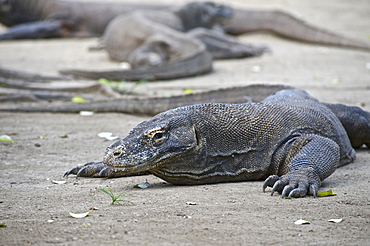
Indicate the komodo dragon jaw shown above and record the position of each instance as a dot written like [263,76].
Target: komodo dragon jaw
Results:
[150,145]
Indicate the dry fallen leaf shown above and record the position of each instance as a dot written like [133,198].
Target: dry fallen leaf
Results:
[107,135]
[188,91]
[78,99]
[301,222]
[104,134]
[58,182]
[86,113]
[335,220]
[6,138]
[142,185]
[325,193]
[79,215]
[191,203]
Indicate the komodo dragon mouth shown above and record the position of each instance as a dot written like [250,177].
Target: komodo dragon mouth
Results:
[132,169]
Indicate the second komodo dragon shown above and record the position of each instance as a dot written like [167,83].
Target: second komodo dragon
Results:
[164,44]
[289,139]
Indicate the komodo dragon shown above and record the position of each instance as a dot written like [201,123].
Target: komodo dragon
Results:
[289,139]
[58,18]
[52,18]
[168,44]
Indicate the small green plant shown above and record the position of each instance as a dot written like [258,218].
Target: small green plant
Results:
[115,198]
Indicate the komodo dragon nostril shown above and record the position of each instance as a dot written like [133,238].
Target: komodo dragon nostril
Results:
[117,153]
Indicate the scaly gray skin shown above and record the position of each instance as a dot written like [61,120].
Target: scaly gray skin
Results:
[57,18]
[289,139]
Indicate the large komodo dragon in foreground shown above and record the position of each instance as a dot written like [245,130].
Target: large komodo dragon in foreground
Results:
[289,139]
[57,18]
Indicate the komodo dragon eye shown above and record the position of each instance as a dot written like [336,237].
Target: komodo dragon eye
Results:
[157,135]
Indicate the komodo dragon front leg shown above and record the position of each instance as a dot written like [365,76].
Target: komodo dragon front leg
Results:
[304,170]
[355,121]
[290,139]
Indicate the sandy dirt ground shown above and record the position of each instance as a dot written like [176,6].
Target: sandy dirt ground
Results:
[36,211]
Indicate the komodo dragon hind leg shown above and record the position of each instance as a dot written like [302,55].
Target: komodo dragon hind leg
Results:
[97,170]
[355,121]
[310,159]
[223,46]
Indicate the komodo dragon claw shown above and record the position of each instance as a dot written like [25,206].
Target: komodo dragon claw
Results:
[91,169]
[294,184]
[97,170]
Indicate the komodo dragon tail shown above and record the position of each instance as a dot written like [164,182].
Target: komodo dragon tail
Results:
[155,105]
[287,25]
[200,63]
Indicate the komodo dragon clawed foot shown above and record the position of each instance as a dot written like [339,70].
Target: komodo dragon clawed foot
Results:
[305,170]
[91,169]
[96,170]
[293,184]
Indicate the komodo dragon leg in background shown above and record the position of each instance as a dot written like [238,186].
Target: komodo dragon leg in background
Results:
[356,122]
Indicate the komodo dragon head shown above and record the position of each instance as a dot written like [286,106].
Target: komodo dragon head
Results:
[13,12]
[203,14]
[161,144]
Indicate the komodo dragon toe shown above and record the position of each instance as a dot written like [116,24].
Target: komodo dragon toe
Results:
[97,170]
[91,169]
[294,184]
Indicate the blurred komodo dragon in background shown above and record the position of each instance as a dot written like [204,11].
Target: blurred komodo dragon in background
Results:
[289,139]
[163,44]
[52,18]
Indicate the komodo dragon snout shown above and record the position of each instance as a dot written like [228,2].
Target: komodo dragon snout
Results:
[151,144]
